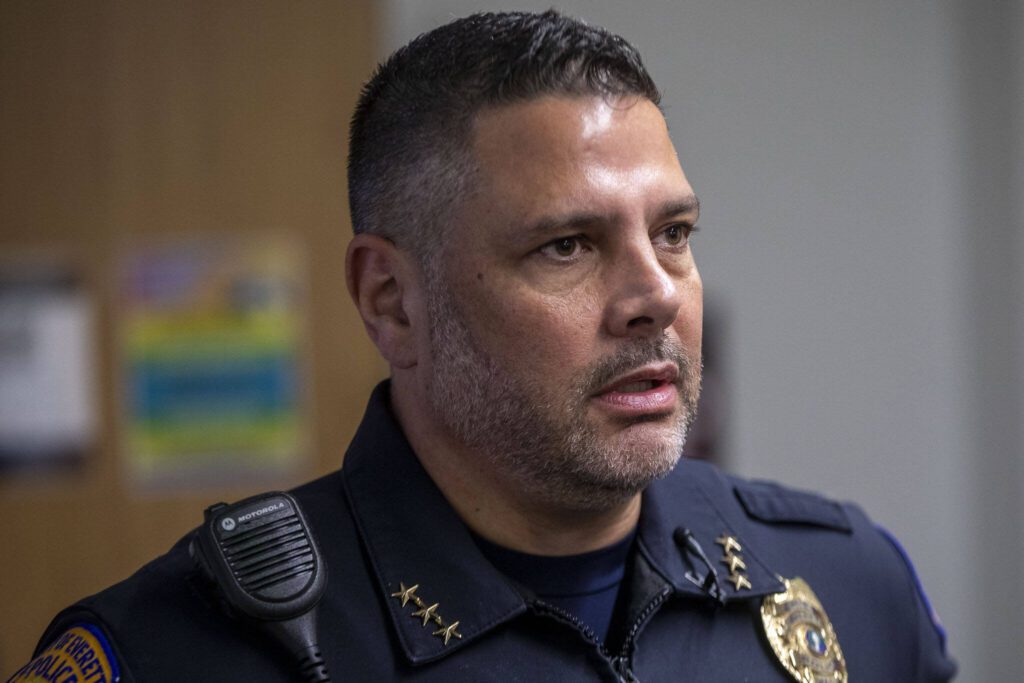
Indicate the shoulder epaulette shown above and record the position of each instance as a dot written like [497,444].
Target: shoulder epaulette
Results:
[774,504]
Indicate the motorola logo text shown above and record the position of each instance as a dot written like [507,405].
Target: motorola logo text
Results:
[259,513]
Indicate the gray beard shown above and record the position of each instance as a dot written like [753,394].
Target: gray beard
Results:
[547,447]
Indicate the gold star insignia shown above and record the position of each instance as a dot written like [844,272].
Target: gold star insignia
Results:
[739,581]
[428,613]
[405,594]
[734,562]
[447,632]
[729,543]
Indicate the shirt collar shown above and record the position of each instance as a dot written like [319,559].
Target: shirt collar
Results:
[413,538]
[695,498]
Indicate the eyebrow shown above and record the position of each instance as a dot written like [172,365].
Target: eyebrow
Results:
[688,204]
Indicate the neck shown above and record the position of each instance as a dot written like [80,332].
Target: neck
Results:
[494,505]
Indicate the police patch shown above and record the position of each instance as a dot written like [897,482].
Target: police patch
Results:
[79,655]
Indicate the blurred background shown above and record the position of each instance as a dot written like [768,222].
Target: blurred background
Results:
[174,326]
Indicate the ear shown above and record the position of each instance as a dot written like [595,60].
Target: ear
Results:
[383,284]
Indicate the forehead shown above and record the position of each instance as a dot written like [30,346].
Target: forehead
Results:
[557,154]
[557,128]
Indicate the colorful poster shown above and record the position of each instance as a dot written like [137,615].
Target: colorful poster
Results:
[212,338]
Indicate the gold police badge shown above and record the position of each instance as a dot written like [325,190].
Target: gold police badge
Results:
[801,635]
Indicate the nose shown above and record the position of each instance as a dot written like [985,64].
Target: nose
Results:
[645,299]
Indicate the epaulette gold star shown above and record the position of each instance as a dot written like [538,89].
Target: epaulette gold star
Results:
[428,613]
[729,543]
[739,580]
[447,632]
[734,562]
[405,594]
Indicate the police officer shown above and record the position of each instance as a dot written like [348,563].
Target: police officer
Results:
[513,507]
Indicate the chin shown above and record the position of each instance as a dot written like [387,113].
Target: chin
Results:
[613,474]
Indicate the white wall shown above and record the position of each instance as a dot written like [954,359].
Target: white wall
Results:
[1017,181]
[853,162]
[991,155]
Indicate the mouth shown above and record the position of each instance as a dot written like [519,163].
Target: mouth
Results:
[646,391]
[636,387]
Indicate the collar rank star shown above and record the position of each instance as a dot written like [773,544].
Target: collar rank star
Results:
[734,561]
[801,634]
[427,612]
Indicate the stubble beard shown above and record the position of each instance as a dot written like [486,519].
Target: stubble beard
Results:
[542,440]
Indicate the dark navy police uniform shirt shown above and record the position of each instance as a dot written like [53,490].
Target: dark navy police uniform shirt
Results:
[586,586]
[384,527]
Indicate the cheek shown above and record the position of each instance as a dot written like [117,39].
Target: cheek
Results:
[532,330]
[689,323]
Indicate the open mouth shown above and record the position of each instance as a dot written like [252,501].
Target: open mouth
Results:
[643,379]
[648,390]
[635,387]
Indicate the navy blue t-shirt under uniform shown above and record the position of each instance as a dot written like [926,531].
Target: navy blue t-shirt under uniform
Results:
[585,585]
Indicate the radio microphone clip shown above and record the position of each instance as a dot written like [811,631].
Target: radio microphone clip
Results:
[262,556]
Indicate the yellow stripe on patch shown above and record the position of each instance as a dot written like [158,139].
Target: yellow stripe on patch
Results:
[79,655]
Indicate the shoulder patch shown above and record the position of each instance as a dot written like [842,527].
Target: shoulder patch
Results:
[777,505]
[81,654]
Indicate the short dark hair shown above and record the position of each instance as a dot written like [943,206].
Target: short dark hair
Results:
[409,142]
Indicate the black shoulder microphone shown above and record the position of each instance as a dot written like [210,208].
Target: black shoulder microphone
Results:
[709,583]
[262,556]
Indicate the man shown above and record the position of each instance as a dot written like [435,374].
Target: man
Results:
[512,507]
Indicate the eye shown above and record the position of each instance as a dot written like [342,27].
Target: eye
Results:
[563,248]
[677,234]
